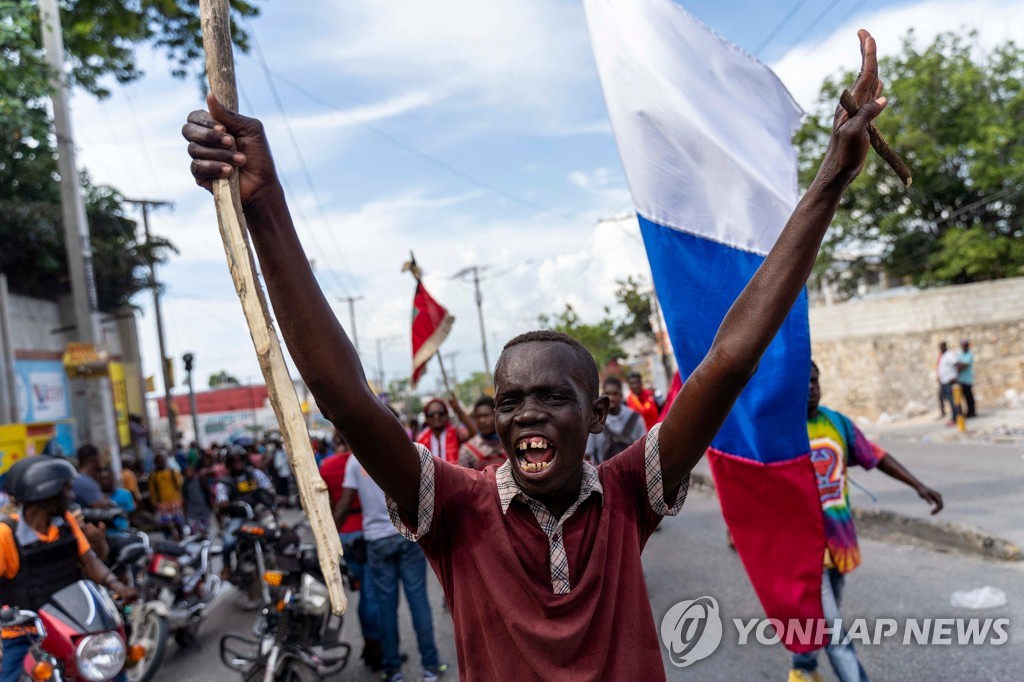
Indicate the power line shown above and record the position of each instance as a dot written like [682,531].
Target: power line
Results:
[817,20]
[302,162]
[779,26]
[818,43]
[404,146]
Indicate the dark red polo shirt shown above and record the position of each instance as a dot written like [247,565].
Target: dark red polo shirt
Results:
[495,568]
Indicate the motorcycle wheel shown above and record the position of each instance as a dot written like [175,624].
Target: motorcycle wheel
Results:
[151,632]
[187,636]
[294,672]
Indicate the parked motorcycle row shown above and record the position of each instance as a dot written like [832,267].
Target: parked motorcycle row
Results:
[81,633]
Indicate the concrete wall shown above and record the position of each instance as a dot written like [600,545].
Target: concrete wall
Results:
[878,355]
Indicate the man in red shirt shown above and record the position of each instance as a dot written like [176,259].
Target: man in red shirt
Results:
[539,558]
[641,400]
[440,436]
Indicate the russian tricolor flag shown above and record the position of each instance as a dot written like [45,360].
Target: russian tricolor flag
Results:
[704,132]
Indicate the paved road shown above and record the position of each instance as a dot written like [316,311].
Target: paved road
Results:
[688,558]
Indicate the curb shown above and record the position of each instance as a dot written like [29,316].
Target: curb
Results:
[946,533]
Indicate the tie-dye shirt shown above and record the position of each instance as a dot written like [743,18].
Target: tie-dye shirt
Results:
[837,443]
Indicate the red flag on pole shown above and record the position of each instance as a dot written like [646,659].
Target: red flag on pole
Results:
[431,324]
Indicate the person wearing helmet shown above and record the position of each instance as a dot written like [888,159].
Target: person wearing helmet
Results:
[241,485]
[44,536]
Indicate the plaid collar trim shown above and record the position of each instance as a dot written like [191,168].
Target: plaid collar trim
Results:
[509,490]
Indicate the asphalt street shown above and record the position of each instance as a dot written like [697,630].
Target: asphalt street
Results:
[688,558]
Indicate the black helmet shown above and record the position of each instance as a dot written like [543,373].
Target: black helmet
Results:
[38,478]
[236,452]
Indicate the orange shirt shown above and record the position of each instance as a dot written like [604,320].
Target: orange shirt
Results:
[10,562]
[130,482]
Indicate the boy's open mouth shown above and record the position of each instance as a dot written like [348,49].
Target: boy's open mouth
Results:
[534,454]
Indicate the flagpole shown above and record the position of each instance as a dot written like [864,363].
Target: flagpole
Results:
[417,273]
[444,374]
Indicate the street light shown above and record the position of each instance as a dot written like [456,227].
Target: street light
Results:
[189,361]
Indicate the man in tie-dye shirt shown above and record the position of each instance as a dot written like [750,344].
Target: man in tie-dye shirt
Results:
[836,443]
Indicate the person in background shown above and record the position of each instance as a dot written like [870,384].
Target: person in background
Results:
[140,442]
[165,494]
[622,427]
[391,559]
[281,467]
[350,530]
[130,478]
[121,497]
[43,549]
[85,486]
[837,444]
[948,371]
[966,377]
[440,436]
[197,495]
[321,450]
[641,400]
[483,449]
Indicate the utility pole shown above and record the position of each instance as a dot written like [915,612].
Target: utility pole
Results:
[351,300]
[451,360]
[165,360]
[100,425]
[475,271]
[666,361]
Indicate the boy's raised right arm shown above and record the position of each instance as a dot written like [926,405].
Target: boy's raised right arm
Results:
[221,140]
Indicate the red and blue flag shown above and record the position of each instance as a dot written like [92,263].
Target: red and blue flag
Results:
[704,132]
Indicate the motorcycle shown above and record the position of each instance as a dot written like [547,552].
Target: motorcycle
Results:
[298,639]
[252,554]
[77,635]
[145,623]
[180,577]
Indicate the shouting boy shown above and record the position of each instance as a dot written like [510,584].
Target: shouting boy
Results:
[539,558]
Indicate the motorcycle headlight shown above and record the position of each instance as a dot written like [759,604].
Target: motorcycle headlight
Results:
[314,594]
[100,657]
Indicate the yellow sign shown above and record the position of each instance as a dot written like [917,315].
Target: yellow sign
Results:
[150,384]
[169,364]
[83,360]
[18,441]
[120,390]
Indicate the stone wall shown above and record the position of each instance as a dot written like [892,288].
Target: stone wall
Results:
[878,355]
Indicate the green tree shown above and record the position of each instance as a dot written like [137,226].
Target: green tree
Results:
[223,380]
[600,338]
[469,390]
[100,40]
[638,307]
[956,113]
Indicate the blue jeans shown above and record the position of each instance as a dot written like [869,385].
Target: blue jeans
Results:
[947,394]
[369,618]
[843,657]
[13,665]
[390,559]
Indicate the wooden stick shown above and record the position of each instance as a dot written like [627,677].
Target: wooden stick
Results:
[887,153]
[220,68]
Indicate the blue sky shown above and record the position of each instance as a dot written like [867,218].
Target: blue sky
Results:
[472,133]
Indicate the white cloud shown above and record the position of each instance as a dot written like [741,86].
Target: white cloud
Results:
[516,55]
[369,113]
[805,67]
